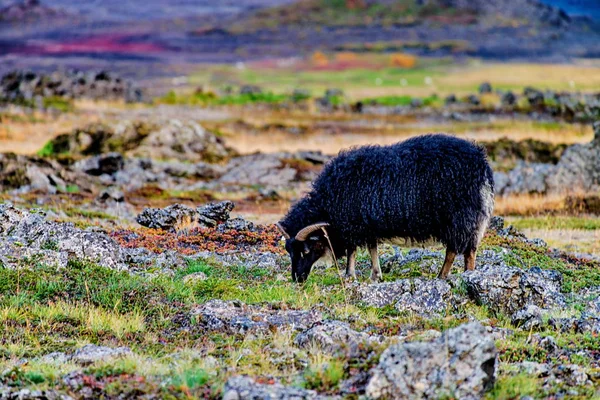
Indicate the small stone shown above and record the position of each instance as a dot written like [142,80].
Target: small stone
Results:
[195,277]
[92,353]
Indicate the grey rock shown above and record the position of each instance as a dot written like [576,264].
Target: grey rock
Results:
[92,353]
[211,214]
[508,99]
[578,168]
[259,169]
[28,234]
[460,364]
[534,96]
[485,87]
[8,393]
[548,343]
[474,100]
[335,336]
[419,296]
[177,140]
[450,99]
[565,374]
[56,358]
[528,178]
[195,277]
[508,289]
[496,224]
[528,318]
[22,85]
[238,224]
[109,164]
[169,218]
[235,317]
[246,388]
[111,194]
[584,324]
[250,89]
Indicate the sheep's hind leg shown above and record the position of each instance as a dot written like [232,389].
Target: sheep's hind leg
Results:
[450,255]
[351,264]
[376,269]
[470,260]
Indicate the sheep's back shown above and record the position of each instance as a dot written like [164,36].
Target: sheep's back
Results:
[420,188]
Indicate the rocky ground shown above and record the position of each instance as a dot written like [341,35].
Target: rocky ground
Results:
[138,260]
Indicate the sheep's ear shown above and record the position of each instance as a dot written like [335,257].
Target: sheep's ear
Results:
[283,232]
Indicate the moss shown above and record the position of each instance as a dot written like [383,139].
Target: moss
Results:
[577,274]
[59,103]
[507,152]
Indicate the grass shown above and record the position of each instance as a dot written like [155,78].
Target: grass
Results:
[382,79]
[514,387]
[556,222]
[43,309]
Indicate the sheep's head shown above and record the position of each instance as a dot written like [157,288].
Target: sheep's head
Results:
[305,249]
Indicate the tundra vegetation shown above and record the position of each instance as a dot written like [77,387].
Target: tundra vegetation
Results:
[139,255]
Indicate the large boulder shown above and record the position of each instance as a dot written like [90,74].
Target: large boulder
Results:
[179,216]
[173,217]
[459,364]
[577,170]
[39,175]
[579,167]
[211,214]
[415,295]
[525,178]
[164,140]
[259,169]
[509,289]
[182,141]
[25,234]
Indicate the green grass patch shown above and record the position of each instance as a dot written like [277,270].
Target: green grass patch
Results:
[514,387]
[556,223]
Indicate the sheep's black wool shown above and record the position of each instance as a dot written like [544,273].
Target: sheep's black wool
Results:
[433,186]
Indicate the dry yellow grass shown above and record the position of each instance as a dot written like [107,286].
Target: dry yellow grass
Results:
[529,204]
[580,76]
[28,135]
[587,241]
[359,130]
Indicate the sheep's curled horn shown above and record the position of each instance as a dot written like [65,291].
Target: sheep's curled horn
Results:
[303,234]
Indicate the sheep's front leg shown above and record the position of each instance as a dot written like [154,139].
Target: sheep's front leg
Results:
[376,269]
[450,255]
[351,264]
[470,260]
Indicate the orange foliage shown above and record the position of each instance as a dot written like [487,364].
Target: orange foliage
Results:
[345,56]
[201,239]
[320,59]
[402,60]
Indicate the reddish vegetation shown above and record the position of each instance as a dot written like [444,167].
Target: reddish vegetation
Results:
[95,44]
[201,239]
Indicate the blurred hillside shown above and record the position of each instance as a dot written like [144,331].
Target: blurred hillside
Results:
[169,38]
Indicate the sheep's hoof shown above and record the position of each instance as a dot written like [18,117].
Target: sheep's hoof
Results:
[375,278]
[350,278]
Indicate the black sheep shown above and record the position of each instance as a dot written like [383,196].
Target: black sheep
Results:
[428,187]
